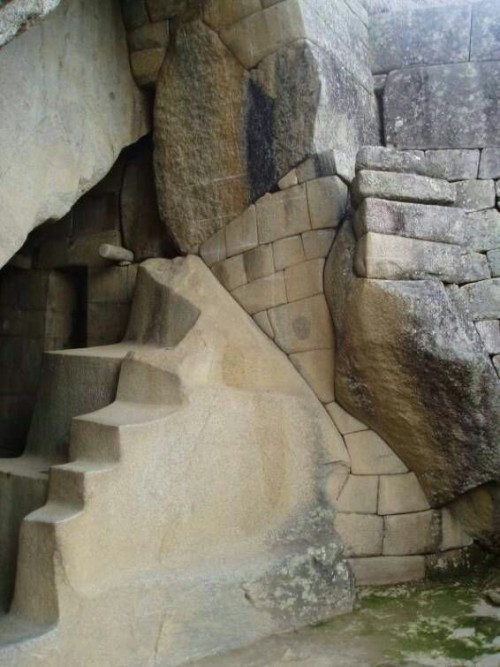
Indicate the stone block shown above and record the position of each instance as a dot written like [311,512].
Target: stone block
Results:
[454,165]
[282,214]
[146,65]
[408,534]
[475,195]
[261,294]
[489,332]
[453,536]
[418,221]
[335,482]
[113,284]
[370,455]
[317,368]
[303,325]
[454,106]
[262,319]
[289,180]
[400,258]
[380,158]
[485,40]
[359,495]
[134,13]
[259,262]
[362,534]
[483,230]
[106,323]
[494,262]
[345,422]
[327,201]
[489,167]
[305,279]
[231,272]
[52,254]
[288,251]
[401,494]
[221,13]
[482,299]
[241,233]
[317,243]
[214,249]
[159,10]
[420,36]
[401,187]
[387,570]
[150,36]
[328,163]
[496,363]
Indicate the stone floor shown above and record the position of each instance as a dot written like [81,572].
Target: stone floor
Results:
[428,625]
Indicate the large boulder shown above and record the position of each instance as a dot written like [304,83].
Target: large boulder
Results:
[409,365]
[68,107]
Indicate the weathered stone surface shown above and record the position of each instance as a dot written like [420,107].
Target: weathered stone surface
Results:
[482,299]
[494,262]
[370,455]
[475,195]
[305,279]
[165,9]
[402,187]
[455,165]
[231,273]
[453,535]
[423,36]
[150,36]
[407,534]
[327,201]
[288,251]
[485,40]
[489,166]
[220,13]
[214,249]
[401,494]
[419,221]
[380,158]
[81,116]
[200,160]
[386,570]
[282,214]
[454,106]
[483,230]
[359,495]
[479,513]
[259,262]
[303,325]
[384,332]
[328,163]
[317,243]
[489,331]
[345,422]
[289,180]
[261,294]
[317,368]
[400,258]
[19,15]
[134,13]
[362,534]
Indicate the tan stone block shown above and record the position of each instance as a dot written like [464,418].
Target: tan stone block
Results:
[387,570]
[220,13]
[417,533]
[165,9]
[317,368]
[305,279]
[146,65]
[261,294]
[85,250]
[289,180]
[453,536]
[282,214]
[359,495]
[370,455]
[241,233]
[111,284]
[262,319]
[317,243]
[303,325]
[214,250]
[401,494]
[345,422]
[335,482]
[327,199]
[231,272]
[149,36]
[362,534]
[287,252]
[259,262]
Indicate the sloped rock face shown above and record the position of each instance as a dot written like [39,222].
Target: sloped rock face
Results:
[68,107]
[408,366]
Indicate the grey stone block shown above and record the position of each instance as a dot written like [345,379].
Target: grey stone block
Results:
[482,299]
[401,187]
[489,331]
[455,165]
[386,570]
[494,262]
[422,36]
[380,158]
[475,195]
[485,36]
[483,230]
[454,106]
[489,166]
[328,163]
[399,258]
[420,221]
[407,534]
